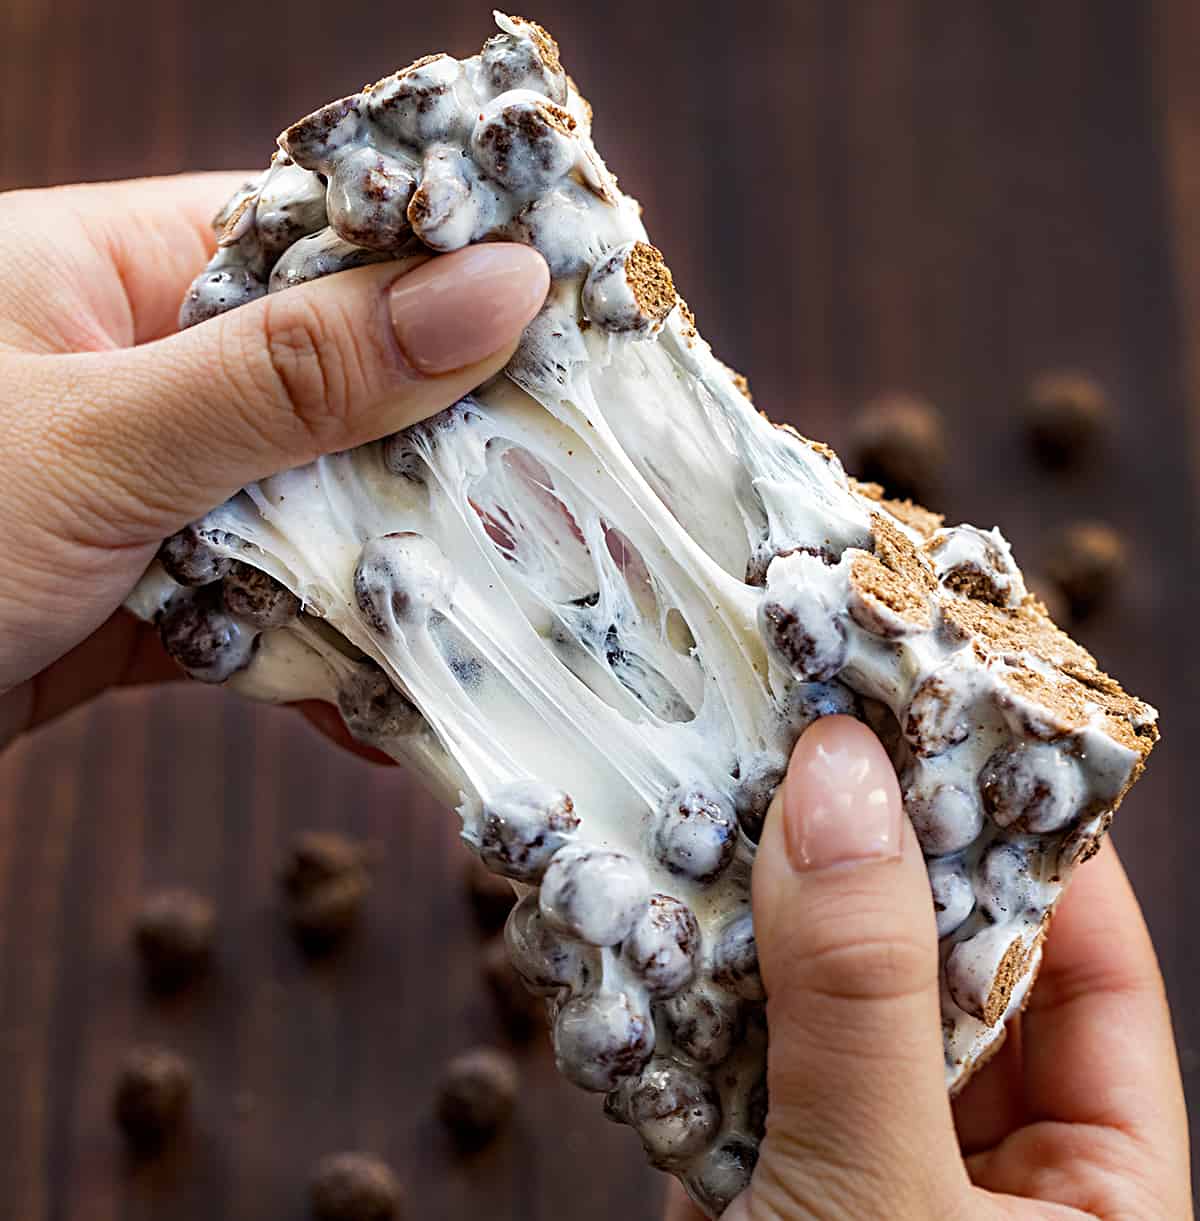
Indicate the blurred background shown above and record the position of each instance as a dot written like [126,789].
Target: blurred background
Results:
[863,198]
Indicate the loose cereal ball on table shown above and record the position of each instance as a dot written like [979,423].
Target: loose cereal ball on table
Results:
[478,1092]
[898,441]
[173,934]
[1066,413]
[354,1187]
[152,1097]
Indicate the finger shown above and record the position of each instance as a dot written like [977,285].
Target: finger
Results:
[1101,1073]
[993,1103]
[153,437]
[327,721]
[1100,975]
[679,1207]
[123,652]
[150,236]
[848,949]
[157,234]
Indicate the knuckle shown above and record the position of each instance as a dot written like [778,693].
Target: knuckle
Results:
[876,964]
[787,1185]
[314,364]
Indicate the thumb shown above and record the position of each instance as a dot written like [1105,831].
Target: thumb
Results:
[171,428]
[847,944]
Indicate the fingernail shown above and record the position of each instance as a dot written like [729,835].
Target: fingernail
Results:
[841,802]
[458,309]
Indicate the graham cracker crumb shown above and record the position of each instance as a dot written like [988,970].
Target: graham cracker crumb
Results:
[689,319]
[872,491]
[924,521]
[818,447]
[1034,603]
[236,215]
[415,66]
[556,117]
[740,381]
[423,62]
[916,517]
[650,281]
[420,209]
[546,46]
[1093,845]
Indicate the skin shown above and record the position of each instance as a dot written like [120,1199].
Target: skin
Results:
[115,432]
[1072,1119]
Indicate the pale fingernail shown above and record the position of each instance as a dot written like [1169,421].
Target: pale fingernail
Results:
[461,308]
[841,801]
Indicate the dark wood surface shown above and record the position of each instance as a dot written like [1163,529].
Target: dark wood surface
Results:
[884,194]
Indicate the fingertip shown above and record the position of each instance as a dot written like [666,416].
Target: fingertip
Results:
[460,309]
[841,801]
[531,268]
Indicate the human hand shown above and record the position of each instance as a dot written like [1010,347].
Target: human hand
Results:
[115,431]
[1080,1114]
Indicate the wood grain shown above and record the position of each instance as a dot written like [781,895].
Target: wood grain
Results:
[891,194]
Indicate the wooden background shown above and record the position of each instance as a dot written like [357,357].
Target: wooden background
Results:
[855,195]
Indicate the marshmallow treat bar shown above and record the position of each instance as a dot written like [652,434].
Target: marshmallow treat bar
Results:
[595,603]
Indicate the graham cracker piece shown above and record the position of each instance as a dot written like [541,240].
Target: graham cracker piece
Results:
[883,602]
[1073,696]
[896,552]
[890,589]
[1011,631]
[1008,975]
[229,233]
[650,280]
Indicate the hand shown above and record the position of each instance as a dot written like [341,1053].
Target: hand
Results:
[1081,1113]
[115,431]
